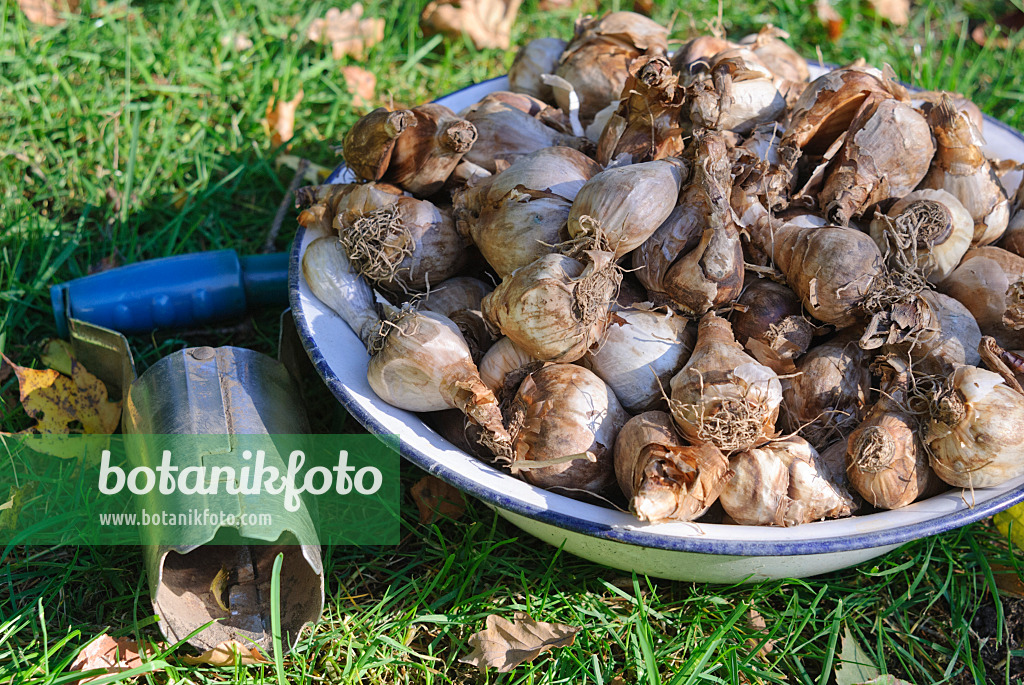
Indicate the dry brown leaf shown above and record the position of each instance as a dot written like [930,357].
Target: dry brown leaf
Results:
[114,655]
[645,7]
[347,32]
[756,621]
[828,16]
[505,644]
[236,40]
[361,83]
[226,653]
[1007,580]
[56,400]
[894,11]
[279,120]
[885,680]
[48,12]
[1007,25]
[435,498]
[488,23]
[10,509]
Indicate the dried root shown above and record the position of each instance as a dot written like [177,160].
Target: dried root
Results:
[377,243]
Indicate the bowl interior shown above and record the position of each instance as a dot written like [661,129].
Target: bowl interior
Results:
[341,359]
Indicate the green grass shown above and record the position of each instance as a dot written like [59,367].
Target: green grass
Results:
[132,133]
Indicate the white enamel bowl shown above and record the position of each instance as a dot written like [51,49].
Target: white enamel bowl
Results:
[679,551]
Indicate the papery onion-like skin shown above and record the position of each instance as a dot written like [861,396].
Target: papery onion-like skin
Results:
[597,59]
[974,436]
[642,349]
[556,307]
[885,460]
[784,483]
[982,283]
[771,325]
[565,410]
[370,142]
[645,126]
[887,152]
[961,168]
[539,56]
[722,395]
[942,227]
[520,214]
[663,479]
[694,56]
[832,269]
[422,363]
[783,61]
[504,358]
[738,94]
[459,299]
[425,154]
[332,280]
[828,394]
[627,203]
[405,245]
[507,132]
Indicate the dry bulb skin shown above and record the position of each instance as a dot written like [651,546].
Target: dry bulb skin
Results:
[645,125]
[459,299]
[597,60]
[832,269]
[334,282]
[784,62]
[737,94]
[556,307]
[405,245]
[784,483]
[499,366]
[694,56]
[827,396]
[723,396]
[961,168]
[627,204]
[664,479]
[369,143]
[983,283]
[933,223]
[564,421]
[711,274]
[425,154]
[420,362]
[642,349]
[974,435]
[770,324]
[885,460]
[534,59]
[506,131]
[520,214]
[886,154]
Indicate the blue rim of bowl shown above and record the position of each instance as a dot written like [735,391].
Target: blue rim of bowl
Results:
[496,498]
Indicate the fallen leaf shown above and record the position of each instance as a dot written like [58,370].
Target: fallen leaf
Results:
[488,23]
[113,655]
[1007,580]
[1010,522]
[56,401]
[48,12]
[105,264]
[435,499]
[226,653]
[5,370]
[505,644]
[361,83]
[279,120]
[219,588]
[57,355]
[828,16]
[894,11]
[548,5]
[238,41]
[755,621]
[854,665]
[347,32]
[10,509]
[645,7]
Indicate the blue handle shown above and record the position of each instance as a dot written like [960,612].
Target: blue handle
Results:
[173,292]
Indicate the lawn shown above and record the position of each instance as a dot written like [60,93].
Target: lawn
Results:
[135,131]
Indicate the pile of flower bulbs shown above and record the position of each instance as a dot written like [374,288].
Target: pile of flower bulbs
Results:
[662,282]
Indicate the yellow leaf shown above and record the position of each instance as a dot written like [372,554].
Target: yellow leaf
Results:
[57,355]
[57,401]
[1014,515]
[225,654]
